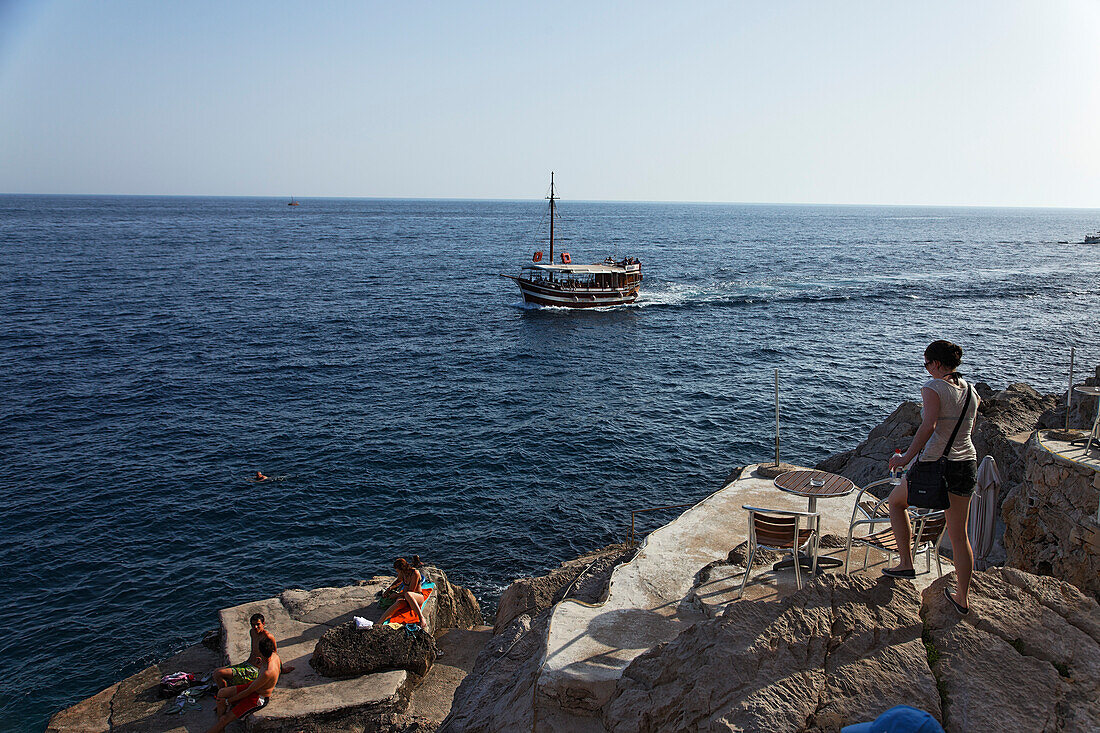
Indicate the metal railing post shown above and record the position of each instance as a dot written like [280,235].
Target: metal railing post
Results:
[654,509]
[1069,394]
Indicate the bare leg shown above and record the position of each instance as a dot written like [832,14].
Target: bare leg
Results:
[221,676]
[414,601]
[899,522]
[225,715]
[961,553]
[221,699]
[389,612]
[224,719]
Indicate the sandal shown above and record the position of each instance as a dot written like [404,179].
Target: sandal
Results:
[962,610]
[898,573]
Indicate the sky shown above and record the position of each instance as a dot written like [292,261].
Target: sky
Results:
[933,103]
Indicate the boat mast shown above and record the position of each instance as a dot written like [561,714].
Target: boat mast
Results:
[552,199]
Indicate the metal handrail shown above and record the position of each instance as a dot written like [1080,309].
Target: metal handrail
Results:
[654,509]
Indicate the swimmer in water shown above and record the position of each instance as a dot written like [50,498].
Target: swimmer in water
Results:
[260,477]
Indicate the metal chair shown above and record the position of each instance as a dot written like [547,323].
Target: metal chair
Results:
[780,529]
[873,506]
[928,527]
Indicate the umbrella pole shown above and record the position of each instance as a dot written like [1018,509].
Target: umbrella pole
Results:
[777,417]
[1069,394]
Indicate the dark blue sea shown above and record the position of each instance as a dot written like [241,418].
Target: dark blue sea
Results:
[155,352]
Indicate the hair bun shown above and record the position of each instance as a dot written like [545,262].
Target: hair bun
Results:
[945,352]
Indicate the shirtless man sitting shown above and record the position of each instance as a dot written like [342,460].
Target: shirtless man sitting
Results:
[250,670]
[239,700]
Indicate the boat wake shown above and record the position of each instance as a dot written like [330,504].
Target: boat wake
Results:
[684,295]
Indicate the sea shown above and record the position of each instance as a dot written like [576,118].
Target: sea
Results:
[156,352]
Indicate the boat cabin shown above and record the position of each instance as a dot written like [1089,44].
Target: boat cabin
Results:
[604,276]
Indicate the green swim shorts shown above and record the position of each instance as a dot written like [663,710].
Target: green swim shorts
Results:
[243,673]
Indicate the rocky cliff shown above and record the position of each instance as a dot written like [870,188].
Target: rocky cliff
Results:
[840,651]
[1026,658]
[498,693]
[845,647]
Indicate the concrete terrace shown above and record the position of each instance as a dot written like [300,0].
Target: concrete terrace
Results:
[657,595]
[1071,446]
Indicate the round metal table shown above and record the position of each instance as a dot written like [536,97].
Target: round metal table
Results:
[813,485]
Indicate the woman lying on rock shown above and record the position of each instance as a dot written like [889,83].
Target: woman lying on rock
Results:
[948,402]
[408,585]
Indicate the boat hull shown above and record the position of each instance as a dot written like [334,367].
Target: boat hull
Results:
[543,295]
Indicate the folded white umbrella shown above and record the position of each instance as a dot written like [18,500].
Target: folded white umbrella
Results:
[983,510]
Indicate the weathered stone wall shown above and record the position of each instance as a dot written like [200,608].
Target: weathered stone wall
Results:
[1050,525]
[1015,410]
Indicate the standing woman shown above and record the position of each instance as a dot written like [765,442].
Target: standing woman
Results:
[944,396]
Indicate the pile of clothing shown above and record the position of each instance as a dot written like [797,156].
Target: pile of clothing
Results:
[187,691]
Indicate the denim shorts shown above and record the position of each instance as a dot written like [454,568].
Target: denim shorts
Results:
[961,477]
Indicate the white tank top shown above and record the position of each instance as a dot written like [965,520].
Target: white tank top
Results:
[952,399]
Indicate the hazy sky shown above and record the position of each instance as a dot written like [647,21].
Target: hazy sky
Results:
[984,103]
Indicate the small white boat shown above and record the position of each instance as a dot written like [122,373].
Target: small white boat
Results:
[1092,238]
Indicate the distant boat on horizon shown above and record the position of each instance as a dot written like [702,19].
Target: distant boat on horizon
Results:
[567,285]
[293,202]
[1092,238]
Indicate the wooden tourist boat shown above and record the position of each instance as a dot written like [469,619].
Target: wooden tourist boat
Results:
[568,285]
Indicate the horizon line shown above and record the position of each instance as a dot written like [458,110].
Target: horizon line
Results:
[517,200]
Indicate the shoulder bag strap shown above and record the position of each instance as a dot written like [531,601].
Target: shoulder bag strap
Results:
[962,416]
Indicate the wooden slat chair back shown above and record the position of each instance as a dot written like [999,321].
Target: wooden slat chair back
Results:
[779,529]
[777,532]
